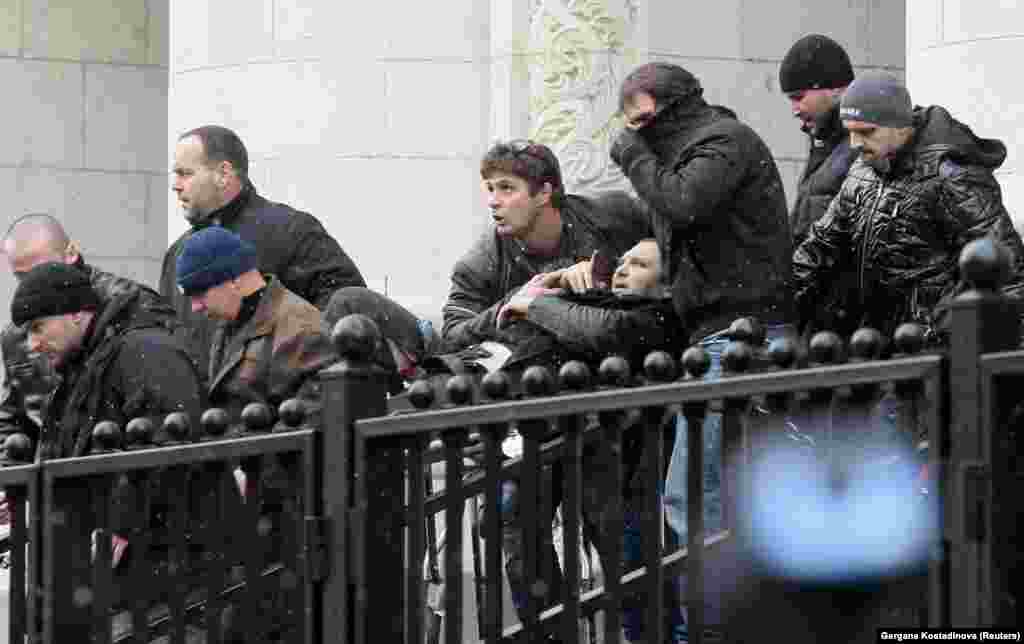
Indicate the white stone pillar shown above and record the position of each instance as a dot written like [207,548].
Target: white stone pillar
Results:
[370,115]
[85,111]
[963,55]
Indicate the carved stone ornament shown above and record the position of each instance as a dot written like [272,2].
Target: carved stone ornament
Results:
[582,50]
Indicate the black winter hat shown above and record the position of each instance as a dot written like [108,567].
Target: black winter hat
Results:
[815,62]
[49,289]
[211,257]
[879,98]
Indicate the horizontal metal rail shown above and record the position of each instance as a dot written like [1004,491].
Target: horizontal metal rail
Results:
[896,370]
[17,475]
[1002,363]
[185,454]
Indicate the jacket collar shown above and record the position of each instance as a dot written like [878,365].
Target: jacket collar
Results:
[232,349]
[229,212]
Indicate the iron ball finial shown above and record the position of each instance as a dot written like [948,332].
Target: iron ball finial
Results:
[356,337]
[214,422]
[538,381]
[459,389]
[660,366]
[496,385]
[782,352]
[421,394]
[574,375]
[866,344]
[177,425]
[140,431]
[106,436]
[292,413]
[909,338]
[614,371]
[19,448]
[257,417]
[696,361]
[985,264]
[826,347]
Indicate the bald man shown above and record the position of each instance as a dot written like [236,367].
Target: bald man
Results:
[32,240]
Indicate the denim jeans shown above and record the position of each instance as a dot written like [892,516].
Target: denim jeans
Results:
[675,483]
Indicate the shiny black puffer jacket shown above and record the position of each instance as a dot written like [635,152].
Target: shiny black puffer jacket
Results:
[901,231]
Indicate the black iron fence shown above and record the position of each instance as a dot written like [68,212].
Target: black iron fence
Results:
[283,531]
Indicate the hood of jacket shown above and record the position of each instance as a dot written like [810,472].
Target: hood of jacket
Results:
[939,137]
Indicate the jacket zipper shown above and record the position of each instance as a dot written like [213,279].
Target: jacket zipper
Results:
[867,236]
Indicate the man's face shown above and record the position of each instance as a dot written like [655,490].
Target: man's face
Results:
[639,111]
[221,302]
[514,211]
[25,255]
[639,267]
[56,336]
[809,105]
[877,144]
[198,185]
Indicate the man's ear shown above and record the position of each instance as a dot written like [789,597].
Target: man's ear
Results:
[545,193]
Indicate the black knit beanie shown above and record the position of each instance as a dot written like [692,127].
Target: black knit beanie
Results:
[52,289]
[815,62]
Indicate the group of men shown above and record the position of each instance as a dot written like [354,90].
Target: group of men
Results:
[889,196]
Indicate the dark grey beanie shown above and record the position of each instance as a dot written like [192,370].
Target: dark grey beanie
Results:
[877,98]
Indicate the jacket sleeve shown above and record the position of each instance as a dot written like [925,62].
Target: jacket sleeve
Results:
[628,219]
[692,188]
[593,329]
[318,266]
[815,260]
[155,377]
[14,417]
[973,205]
[295,361]
[471,312]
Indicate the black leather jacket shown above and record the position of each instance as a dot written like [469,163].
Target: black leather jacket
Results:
[901,231]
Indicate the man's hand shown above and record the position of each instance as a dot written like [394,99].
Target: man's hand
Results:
[626,142]
[514,309]
[578,277]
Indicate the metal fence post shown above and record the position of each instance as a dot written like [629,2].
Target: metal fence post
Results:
[352,389]
[981,321]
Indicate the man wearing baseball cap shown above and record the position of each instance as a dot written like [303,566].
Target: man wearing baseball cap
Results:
[116,358]
[922,188]
[268,341]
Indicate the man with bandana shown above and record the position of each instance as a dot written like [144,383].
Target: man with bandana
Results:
[211,182]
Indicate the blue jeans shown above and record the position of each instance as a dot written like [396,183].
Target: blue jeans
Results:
[675,482]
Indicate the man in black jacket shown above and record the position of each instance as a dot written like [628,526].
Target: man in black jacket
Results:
[116,361]
[32,240]
[922,189]
[813,75]
[719,214]
[211,181]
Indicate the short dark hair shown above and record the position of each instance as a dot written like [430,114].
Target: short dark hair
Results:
[222,144]
[664,82]
[533,162]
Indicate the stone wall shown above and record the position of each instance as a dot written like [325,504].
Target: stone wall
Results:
[85,112]
[962,55]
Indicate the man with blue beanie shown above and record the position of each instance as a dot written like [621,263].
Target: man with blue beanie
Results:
[268,341]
